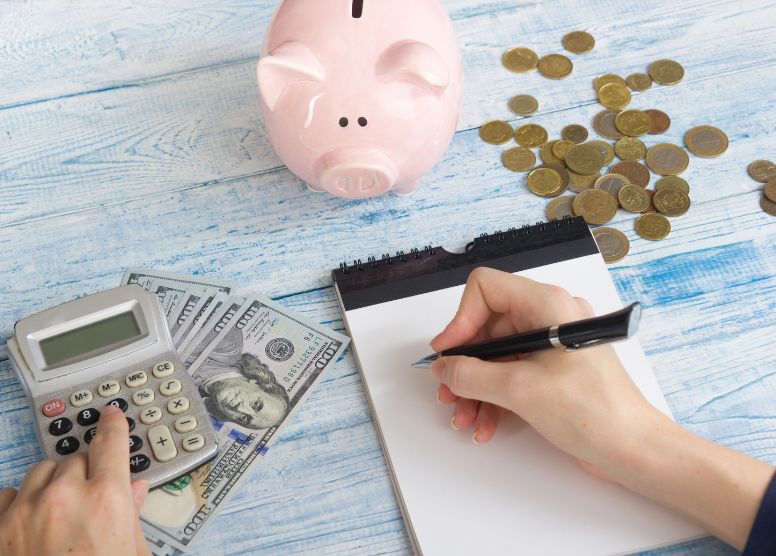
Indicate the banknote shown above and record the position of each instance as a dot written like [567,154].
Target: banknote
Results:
[169,294]
[145,276]
[255,365]
[197,320]
[193,299]
[208,333]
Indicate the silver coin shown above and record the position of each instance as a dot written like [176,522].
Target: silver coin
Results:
[612,183]
[565,208]
[609,244]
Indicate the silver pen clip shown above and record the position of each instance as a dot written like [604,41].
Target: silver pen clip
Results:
[593,343]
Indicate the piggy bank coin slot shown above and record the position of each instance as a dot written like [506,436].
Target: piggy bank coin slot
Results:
[358,7]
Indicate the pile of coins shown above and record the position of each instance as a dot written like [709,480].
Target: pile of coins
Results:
[764,171]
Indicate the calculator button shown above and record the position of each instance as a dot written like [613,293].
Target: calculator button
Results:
[137,379]
[150,415]
[163,369]
[178,406]
[88,417]
[53,408]
[60,426]
[67,445]
[135,443]
[131,423]
[81,398]
[162,443]
[139,463]
[108,389]
[90,434]
[170,387]
[193,443]
[185,424]
[143,397]
[121,403]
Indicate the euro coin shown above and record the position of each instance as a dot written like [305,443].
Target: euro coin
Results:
[603,123]
[633,198]
[769,190]
[544,182]
[651,207]
[584,159]
[667,160]
[596,206]
[578,182]
[575,133]
[520,60]
[578,42]
[562,172]
[546,154]
[612,184]
[606,149]
[531,136]
[605,79]
[660,121]
[560,207]
[653,226]
[671,201]
[639,82]
[673,181]
[614,95]
[612,244]
[666,72]
[555,66]
[706,141]
[630,148]
[560,148]
[768,205]
[523,105]
[496,132]
[762,171]
[636,172]
[633,123]
[518,159]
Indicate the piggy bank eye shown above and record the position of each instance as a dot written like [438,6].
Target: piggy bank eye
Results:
[362,121]
[343,122]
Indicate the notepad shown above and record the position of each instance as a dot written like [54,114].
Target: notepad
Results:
[517,494]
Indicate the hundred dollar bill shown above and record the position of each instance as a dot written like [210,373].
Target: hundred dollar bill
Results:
[254,371]
[170,295]
[208,333]
[193,299]
[197,321]
[144,277]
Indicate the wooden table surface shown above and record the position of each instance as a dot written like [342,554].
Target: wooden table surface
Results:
[131,135]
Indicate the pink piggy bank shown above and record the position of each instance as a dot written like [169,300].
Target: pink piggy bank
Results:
[360,97]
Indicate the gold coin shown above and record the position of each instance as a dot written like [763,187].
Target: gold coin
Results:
[667,159]
[562,172]
[523,105]
[575,133]
[612,244]
[584,159]
[606,149]
[560,207]
[706,141]
[560,148]
[578,42]
[555,66]
[578,182]
[605,79]
[633,123]
[520,60]
[518,159]
[614,95]
[653,226]
[673,181]
[531,136]
[596,206]
[762,170]
[769,190]
[633,198]
[639,82]
[630,148]
[768,205]
[666,72]
[636,172]
[548,157]
[604,124]
[612,184]
[496,132]
[544,182]
[671,201]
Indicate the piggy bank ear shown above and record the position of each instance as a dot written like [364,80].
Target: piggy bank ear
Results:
[290,62]
[416,63]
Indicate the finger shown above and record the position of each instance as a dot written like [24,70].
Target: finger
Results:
[7,496]
[139,493]
[75,465]
[36,479]
[445,395]
[584,304]
[109,449]
[487,381]
[465,413]
[485,426]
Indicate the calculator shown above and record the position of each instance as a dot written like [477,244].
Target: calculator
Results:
[112,348]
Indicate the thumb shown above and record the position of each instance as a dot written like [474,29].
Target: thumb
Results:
[469,377]
[139,493]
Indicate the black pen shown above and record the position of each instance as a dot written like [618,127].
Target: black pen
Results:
[573,336]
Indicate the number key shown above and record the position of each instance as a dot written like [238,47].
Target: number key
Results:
[60,426]
[88,417]
[67,445]
[120,403]
[135,443]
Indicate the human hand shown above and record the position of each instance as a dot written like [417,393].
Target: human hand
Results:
[86,505]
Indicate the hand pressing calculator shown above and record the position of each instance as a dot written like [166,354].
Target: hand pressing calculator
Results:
[112,348]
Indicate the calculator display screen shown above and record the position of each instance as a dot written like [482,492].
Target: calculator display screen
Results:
[94,336]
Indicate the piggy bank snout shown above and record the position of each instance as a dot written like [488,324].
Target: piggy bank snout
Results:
[356,172]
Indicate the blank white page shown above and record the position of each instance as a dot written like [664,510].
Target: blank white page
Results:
[517,494]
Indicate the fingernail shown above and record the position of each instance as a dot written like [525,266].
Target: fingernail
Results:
[438,400]
[111,409]
[453,423]
[139,493]
[474,437]
[438,369]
